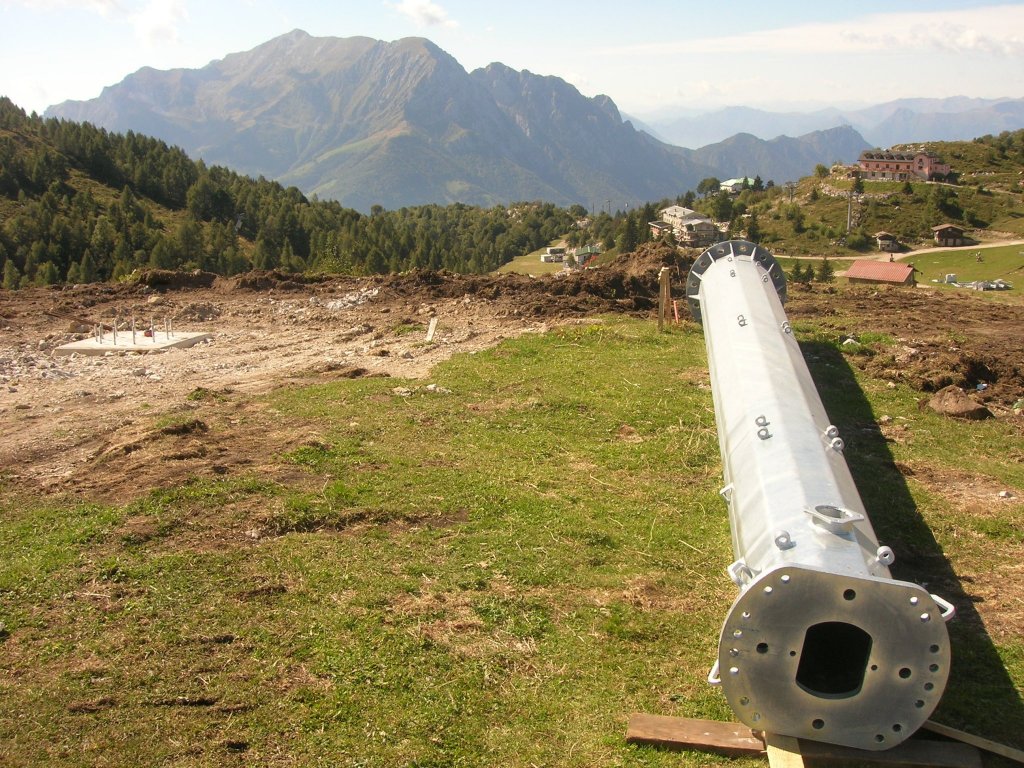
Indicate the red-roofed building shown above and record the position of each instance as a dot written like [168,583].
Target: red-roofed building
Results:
[889,272]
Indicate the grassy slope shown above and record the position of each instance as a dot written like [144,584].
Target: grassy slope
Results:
[530,264]
[988,195]
[1006,262]
[495,575]
[886,208]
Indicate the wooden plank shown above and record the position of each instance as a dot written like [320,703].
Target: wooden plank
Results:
[783,751]
[680,733]
[977,741]
[913,752]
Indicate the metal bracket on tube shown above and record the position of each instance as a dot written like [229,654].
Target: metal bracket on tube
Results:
[834,519]
[946,609]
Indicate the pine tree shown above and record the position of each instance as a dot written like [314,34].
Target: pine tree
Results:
[87,269]
[12,277]
[753,229]
[264,256]
[47,274]
[629,237]
[826,273]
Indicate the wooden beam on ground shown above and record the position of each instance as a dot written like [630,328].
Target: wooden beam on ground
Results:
[734,739]
[913,752]
[680,733]
[976,741]
[783,751]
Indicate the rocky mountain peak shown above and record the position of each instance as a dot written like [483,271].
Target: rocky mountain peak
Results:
[397,123]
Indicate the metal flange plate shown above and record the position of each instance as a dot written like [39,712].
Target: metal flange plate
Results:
[848,660]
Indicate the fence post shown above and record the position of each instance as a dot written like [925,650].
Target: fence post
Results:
[664,297]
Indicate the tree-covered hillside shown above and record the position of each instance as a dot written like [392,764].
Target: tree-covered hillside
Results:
[987,200]
[79,204]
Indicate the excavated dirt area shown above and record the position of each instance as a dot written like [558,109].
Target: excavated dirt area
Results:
[86,425]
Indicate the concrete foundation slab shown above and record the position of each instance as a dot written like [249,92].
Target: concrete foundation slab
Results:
[125,342]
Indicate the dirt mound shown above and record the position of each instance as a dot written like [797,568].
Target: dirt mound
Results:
[606,289]
[939,338]
[649,258]
[265,280]
[171,280]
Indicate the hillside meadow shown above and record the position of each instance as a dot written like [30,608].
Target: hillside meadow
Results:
[968,264]
[494,570]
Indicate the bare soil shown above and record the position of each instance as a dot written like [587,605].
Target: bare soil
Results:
[110,428]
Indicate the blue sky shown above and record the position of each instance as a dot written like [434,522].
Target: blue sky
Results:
[648,56]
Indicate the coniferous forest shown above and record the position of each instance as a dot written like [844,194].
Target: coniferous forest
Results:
[80,204]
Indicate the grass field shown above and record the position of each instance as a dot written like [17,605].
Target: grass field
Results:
[788,264]
[530,263]
[1006,262]
[495,572]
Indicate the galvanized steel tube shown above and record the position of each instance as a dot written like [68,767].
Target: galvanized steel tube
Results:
[822,643]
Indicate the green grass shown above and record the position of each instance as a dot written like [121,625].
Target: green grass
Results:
[530,263]
[788,264]
[493,573]
[1006,262]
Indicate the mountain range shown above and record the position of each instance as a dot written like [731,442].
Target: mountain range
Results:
[402,123]
[958,118]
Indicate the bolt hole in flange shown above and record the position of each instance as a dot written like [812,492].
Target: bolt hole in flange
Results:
[818,724]
[904,672]
[762,647]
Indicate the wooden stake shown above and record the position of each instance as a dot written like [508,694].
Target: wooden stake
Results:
[664,297]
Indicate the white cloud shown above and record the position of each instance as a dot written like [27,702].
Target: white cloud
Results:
[157,21]
[995,30]
[579,80]
[102,7]
[425,13]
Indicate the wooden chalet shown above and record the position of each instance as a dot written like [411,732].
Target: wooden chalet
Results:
[887,242]
[949,235]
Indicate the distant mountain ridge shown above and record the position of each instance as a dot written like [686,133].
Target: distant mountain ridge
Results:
[402,123]
[957,118]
